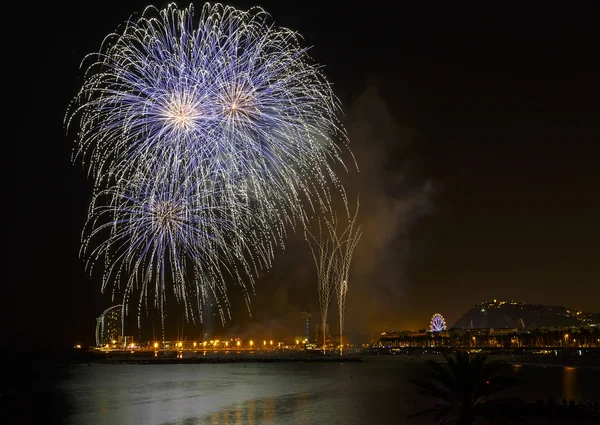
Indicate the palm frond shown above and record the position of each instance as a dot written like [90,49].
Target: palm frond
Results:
[466,387]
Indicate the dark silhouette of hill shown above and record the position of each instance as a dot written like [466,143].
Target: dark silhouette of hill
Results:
[512,314]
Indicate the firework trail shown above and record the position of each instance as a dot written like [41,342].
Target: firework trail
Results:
[345,245]
[206,139]
[323,250]
[332,253]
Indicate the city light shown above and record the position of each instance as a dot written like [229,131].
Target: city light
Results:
[251,343]
[156,345]
[238,343]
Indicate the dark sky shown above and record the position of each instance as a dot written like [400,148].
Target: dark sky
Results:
[476,132]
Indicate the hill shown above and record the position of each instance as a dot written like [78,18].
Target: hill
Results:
[512,314]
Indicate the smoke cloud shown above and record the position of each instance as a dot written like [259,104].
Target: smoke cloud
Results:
[392,199]
[390,204]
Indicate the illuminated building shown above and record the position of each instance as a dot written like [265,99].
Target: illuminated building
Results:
[109,326]
[306,324]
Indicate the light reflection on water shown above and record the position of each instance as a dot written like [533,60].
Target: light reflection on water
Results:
[373,392]
[569,382]
[268,410]
[558,382]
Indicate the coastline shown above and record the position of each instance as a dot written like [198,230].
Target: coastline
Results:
[195,357]
[519,363]
[512,360]
[229,358]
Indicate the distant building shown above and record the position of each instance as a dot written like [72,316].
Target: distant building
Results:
[385,338]
[109,326]
[502,331]
[306,319]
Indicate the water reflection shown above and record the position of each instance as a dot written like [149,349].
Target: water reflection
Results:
[569,380]
[251,412]
[374,392]
[558,382]
[267,410]
[238,415]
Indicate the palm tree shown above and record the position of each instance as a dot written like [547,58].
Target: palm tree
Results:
[465,389]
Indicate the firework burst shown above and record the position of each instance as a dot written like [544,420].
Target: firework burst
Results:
[206,139]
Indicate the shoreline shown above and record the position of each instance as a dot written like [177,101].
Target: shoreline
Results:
[517,363]
[573,366]
[230,359]
[438,358]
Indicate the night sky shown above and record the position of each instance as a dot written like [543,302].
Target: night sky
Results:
[476,132]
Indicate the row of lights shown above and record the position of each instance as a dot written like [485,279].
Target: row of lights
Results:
[215,342]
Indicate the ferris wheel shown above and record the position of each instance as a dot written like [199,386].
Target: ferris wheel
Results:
[437,323]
